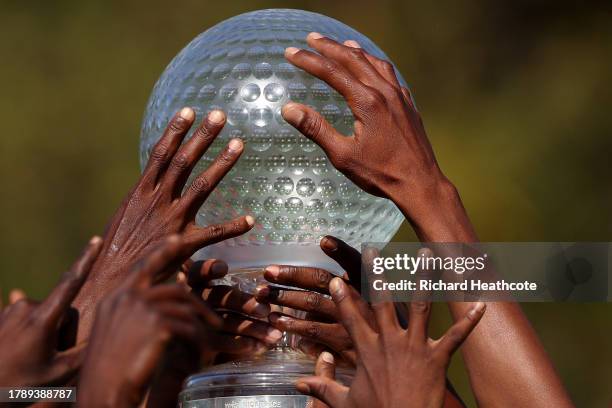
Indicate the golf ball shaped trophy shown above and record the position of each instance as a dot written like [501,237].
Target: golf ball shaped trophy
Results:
[282,178]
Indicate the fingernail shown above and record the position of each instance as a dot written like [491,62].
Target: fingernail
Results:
[218,269]
[302,387]
[261,310]
[250,220]
[273,335]
[327,357]
[273,270]
[477,309]
[329,244]
[216,116]
[273,318]
[15,295]
[181,278]
[291,50]
[336,287]
[262,291]
[315,36]
[95,240]
[187,113]
[352,44]
[292,113]
[235,145]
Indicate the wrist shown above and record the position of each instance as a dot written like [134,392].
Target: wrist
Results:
[434,210]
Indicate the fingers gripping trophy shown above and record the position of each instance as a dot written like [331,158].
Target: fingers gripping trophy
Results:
[283,179]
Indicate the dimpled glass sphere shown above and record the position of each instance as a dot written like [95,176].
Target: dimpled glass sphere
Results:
[282,178]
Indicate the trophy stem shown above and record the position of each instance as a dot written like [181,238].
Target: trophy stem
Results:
[265,380]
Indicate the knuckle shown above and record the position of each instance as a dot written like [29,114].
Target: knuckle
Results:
[225,159]
[420,307]
[200,184]
[387,66]
[180,161]
[330,67]
[372,99]
[216,231]
[311,125]
[177,125]
[313,330]
[322,277]
[356,53]
[159,153]
[313,301]
[291,272]
[236,227]
[390,92]
[202,132]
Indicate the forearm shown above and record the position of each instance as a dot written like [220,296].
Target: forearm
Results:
[506,362]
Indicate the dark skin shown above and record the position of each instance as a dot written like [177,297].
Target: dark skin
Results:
[390,155]
[34,359]
[136,325]
[240,335]
[321,330]
[159,205]
[325,367]
[396,367]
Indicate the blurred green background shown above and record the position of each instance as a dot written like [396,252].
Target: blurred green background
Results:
[515,95]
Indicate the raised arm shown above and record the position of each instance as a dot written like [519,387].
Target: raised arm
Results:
[159,205]
[389,155]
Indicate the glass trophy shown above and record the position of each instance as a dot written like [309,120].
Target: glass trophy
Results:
[282,178]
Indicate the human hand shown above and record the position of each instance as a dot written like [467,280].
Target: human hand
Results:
[238,335]
[243,331]
[389,154]
[396,367]
[134,327]
[29,331]
[320,329]
[157,207]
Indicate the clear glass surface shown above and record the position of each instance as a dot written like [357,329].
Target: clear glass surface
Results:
[282,178]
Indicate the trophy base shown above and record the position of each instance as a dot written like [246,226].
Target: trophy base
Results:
[259,256]
[265,381]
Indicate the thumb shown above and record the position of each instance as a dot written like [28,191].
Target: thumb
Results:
[326,368]
[327,390]
[314,126]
